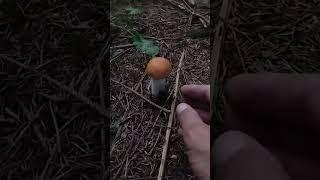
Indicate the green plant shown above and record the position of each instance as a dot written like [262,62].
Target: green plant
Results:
[133,11]
[145,45]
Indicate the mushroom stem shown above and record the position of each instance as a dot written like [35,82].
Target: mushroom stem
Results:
[157,86]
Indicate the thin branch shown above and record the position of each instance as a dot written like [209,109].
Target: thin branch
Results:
[169,126]
[144,98]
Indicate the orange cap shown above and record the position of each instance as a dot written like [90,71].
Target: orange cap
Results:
[158,68]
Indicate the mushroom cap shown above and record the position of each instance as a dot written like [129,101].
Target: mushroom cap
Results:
[158,68]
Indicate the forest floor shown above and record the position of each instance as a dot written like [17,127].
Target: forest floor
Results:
[54,76]
[275,36]
[138,128]
[52,89]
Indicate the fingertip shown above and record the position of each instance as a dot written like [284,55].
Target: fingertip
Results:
[185,88]
[196,92]
[181,107]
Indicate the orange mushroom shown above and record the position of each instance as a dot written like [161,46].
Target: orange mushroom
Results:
[158,69]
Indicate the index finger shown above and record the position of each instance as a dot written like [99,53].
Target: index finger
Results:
[198,95]
[289,97]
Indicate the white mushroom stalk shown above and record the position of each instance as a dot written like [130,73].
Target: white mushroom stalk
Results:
[157,86]
[158,69]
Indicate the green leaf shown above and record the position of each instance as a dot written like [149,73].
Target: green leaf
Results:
[133,11]
[145,45]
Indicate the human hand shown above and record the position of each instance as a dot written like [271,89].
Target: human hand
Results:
[274,123]
[194,116]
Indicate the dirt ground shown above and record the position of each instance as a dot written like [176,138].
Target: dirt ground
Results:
[137,128]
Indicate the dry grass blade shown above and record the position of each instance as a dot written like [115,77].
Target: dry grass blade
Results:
[169,126]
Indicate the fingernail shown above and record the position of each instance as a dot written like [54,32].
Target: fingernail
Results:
[181,107]
[227,145]
[183,87]
[234,148]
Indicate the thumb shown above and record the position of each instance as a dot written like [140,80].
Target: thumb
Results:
[196,136]
[239,156]
[188,117]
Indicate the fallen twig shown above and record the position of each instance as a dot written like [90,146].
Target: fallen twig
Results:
[173,106]
[144,98]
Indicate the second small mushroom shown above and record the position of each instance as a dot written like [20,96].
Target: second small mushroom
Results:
[158,69]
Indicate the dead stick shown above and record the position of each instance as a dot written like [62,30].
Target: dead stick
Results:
[216,53]
[144,98]
[173,106]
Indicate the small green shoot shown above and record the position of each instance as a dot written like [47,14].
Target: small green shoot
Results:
[145,45]
[133,11]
